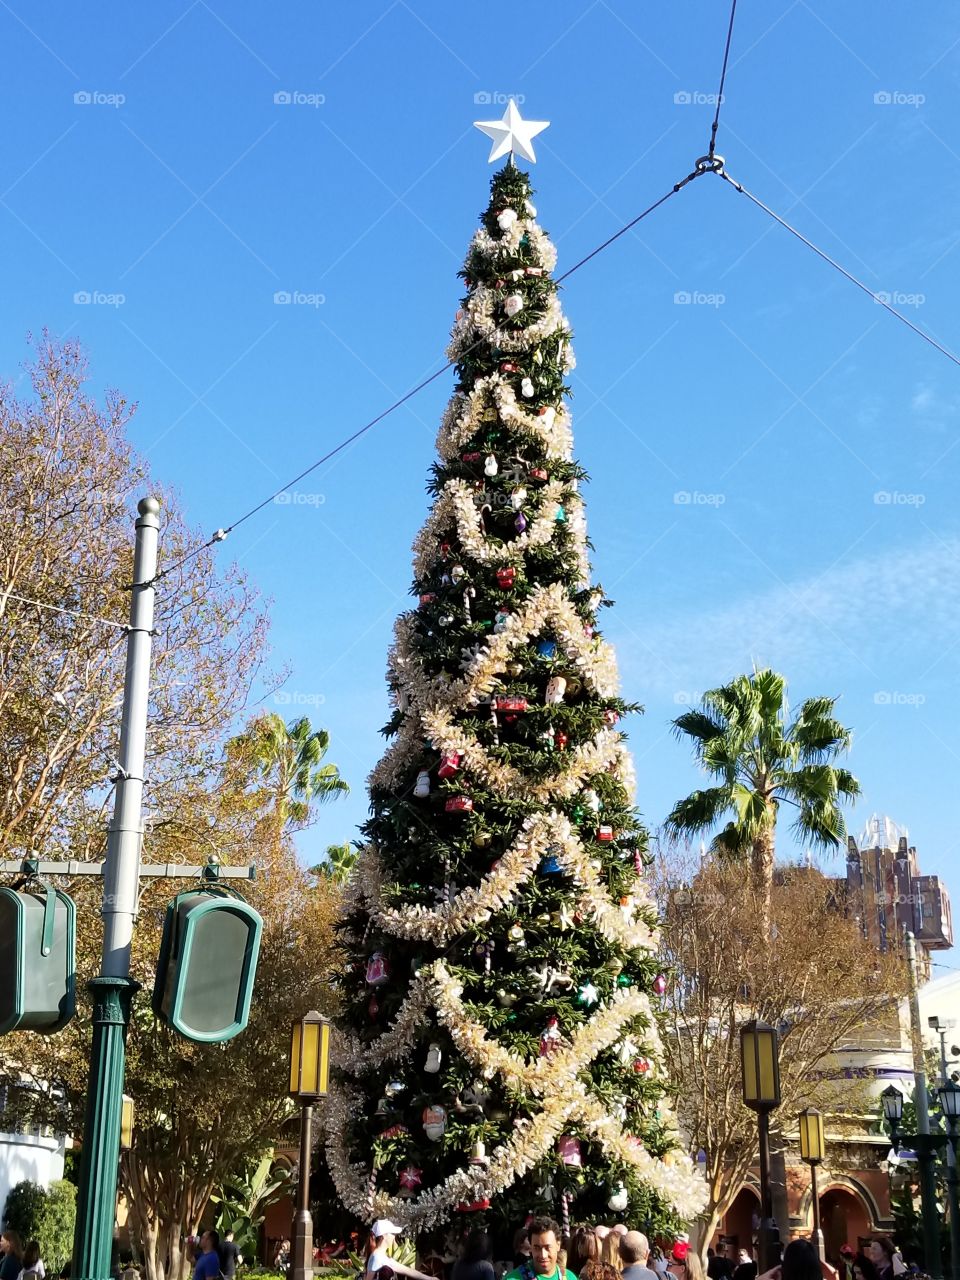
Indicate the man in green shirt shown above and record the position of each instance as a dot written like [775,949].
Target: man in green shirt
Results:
[544,1248]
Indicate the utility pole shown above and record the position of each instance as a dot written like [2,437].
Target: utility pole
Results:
[926,1145]
[113,990]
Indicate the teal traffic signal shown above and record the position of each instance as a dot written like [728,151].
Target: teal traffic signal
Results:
[208,961]
[38,981]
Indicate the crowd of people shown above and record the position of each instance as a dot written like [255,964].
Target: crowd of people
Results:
[20,1261]
[543,1251]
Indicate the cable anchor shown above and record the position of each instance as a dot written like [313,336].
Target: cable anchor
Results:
[711,163]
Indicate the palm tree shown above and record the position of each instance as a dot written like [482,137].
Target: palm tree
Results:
[337,865]
[742,737]
[286,762]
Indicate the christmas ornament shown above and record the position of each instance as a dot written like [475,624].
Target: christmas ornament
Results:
[613,965]
[660,984]
[641,1066]
[485,951]
[482,839]
[505,999]
[549,977]
[475,1206]
[508,366]
[395,1131]
[435,1122]
[627,1049]
[548,413]
[458,573]
[433,1059]
[410,1179]
[516,937]
[378,970]
[550,866]
[520,523]
[449,764]
[550,1040]
[422,789]
[513,304]
[568,1148]
[588,994]
[428,597]
[373,1008]
[506,219]
[479,1156]
[560,515]
[511,134]
[562,919]
[546,648]
[527,389]
[459,804]
[500,619]
[490,466]
[619,1199]
[556,687]
[394,1088]
[591,800]
[623,979]
[444,550]
[627,907]
[560,739]
[446,620]
[511,704]
[605,834]
[506,576]
[610,716]
[517,498]
[538,473]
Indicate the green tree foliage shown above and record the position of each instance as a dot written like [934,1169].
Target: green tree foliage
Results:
[46,1215]
[23,1210]
[243,1200]
[506,784]
[761,759]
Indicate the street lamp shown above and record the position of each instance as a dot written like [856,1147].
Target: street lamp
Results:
[811,1150]
[949,1098]
[760,1064]
[309,1077]
[926,1146]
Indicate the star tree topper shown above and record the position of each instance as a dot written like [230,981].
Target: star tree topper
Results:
[511,134]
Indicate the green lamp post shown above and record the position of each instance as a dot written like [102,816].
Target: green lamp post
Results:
[926,1146]
[760,1065]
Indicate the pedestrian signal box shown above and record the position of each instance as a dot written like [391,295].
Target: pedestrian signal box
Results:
[208,960]
[38,982]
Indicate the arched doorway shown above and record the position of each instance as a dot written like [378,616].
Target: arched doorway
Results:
[737,1229]
[845,1219]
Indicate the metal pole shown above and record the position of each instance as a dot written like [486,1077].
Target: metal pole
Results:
[301,1251]
[916,1041]
[113,989]
[764,1261]
[954,1200]
[926,1146]
[817,1232]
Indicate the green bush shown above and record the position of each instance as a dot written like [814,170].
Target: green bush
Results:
[24,1210]
[57,1224]
[45,1216]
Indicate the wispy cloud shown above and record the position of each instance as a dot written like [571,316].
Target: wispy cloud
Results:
[864,618]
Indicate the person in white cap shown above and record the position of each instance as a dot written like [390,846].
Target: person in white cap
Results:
[383,1233]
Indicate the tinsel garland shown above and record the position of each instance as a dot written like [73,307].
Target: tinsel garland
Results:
[477,319]
[467,411]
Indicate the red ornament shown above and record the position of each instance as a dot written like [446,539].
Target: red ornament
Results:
[449,764]
[568,1149]
[560,740]
[641,1066]
[550,1040]
[373,1008]
[395,1131]
[470,457]
[506,576]
[533,271]
[505,703]
[378,970]
[459,804]
[410,1179]
[444,550]
[475,1207]
[604,834]
[660,984]
[538,473]
[610,716]
[428,597]
[508,366]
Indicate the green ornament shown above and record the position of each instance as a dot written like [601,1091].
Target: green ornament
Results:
[561,516]
[623,979]
[579,813]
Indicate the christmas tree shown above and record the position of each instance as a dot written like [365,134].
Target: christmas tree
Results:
[499,1048]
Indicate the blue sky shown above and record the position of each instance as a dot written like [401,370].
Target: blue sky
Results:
[146,159]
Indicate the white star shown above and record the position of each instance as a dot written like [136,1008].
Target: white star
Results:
[512,133]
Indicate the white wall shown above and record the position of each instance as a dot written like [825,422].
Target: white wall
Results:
[25,1156]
